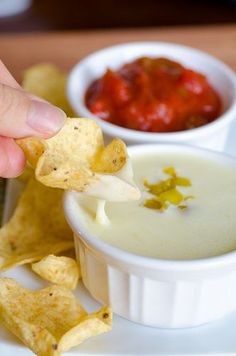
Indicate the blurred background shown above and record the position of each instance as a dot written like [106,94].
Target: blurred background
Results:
[49,15]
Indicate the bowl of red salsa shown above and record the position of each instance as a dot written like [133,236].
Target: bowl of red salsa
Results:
[156,92]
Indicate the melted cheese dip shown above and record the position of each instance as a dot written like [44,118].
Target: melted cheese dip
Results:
[206,228]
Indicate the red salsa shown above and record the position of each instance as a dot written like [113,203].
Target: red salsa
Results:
[155,95]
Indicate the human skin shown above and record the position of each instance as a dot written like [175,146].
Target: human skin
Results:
[22,115]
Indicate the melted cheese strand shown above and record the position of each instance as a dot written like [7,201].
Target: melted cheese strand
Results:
[101,216]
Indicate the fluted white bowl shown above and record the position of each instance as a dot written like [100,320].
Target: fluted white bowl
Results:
[155,292]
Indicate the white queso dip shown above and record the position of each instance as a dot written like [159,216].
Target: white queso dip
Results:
[202,225]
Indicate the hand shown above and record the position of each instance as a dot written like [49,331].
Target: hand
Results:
[21,115]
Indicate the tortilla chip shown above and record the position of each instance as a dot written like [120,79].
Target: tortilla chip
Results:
[26,175]
[68,155]
[48,82]
[33,148]
[49,321]
[69,253]
[115,150]
[36,229]
[61,270]
[68,158]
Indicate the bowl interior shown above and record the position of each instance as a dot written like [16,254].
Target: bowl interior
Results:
[72,212]
[95,65]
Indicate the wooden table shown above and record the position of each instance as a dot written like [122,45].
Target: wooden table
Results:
[64,49]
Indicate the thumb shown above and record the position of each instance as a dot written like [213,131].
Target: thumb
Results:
[21,116]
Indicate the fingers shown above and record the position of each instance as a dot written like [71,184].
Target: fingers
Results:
[12,159]
[6,77]
[21,117]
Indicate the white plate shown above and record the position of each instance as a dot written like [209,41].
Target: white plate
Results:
[126,338]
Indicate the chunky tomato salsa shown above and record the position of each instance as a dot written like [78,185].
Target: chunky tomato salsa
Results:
[155,95]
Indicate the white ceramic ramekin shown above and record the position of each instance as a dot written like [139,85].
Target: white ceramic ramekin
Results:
[160,293]
[222,78]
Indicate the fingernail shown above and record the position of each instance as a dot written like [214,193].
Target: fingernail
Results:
[45,118]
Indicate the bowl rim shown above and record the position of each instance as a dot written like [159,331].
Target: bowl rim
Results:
[130,134]
[130,258]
